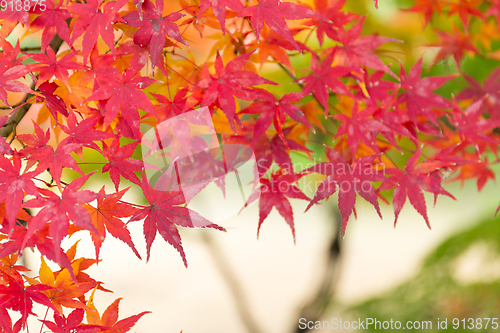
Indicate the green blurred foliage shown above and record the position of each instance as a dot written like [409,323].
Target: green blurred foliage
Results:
[442,289]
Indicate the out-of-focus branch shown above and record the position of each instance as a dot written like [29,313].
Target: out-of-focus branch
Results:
[233,284]
[18,115]
[313,310]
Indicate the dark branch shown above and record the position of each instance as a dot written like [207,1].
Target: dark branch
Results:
[313,310]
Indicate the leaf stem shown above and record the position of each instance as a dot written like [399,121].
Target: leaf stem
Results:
[184,57]
[173,70]
[44,318]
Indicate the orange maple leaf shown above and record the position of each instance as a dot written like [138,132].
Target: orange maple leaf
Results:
[9,267]
[109,318]
[64,292]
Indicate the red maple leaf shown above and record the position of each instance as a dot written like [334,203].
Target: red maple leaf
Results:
[107,215]
[440,165]
[40,239]
[20,298]
[8,77]
[274,111]
[53,102]
[274,192]
[154,28]
[55,160]
[480,169]
[447,158]
[165,213]
[465,9]
[139,54]
[332,10]
[48,65]
[10,56]
[456,44]
[200,20]
[470,127]
[360,127]
[5,148]
[356,50]
[490,90]
[377,89]
[58,210]
[427,7]
[83,133]
[274,13]
[34,141]
[219,9]
[6,322]
[38,150]
[123,93]
[170,108]
[275,149]
[120,163]
[347,179]
[13,185]
[52,19]
[71,324]
[409,183]
[494,9]
[10,16]
[228,82]
[325,77]
[418,96]
[93,18]
[395,119]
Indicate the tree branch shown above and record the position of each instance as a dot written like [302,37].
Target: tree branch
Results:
[233,284]
[315,308]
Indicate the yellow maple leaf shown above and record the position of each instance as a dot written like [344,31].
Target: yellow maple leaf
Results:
[81,88]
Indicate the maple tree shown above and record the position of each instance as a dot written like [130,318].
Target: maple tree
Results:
[105,70]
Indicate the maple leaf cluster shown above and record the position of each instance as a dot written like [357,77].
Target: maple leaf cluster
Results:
[73,289]
[105,70]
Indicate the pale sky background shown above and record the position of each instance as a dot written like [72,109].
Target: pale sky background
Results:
[277,276]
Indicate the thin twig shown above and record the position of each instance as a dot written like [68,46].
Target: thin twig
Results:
[30,48]
[44,318]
